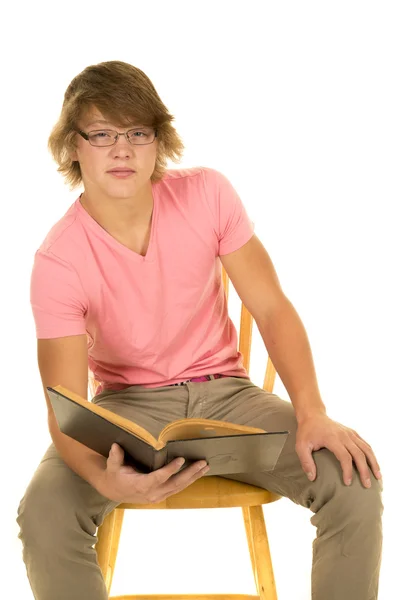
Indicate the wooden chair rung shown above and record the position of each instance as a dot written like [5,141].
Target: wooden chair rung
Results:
[187,597]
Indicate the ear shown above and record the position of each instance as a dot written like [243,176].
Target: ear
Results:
[73,155]
[71,148]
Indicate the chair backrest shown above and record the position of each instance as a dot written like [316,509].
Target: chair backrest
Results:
[245,338]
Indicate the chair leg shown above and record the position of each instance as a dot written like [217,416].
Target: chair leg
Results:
[246,518]
[259,552]
[108,536]
[119,517]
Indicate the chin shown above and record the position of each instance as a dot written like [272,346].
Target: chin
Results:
[121,189]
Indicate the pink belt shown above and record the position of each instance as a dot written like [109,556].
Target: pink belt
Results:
[201,378]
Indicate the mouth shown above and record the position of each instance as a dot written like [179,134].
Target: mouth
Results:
[121,173]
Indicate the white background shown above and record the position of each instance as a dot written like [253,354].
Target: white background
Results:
[316,86]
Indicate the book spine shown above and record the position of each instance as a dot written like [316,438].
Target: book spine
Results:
[159,458]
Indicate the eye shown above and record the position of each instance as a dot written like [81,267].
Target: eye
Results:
[139,133]
[101,134]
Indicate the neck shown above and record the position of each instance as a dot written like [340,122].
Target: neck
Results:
[119,215]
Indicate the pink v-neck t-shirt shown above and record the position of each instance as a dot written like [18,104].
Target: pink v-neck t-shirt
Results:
[150,320]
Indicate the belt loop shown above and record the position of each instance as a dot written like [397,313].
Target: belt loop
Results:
[211,377]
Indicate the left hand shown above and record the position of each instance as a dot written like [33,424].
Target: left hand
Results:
[319,431]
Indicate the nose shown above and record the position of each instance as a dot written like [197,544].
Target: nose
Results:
[122,147]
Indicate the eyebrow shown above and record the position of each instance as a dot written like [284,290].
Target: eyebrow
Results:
[100,121]
[103,122]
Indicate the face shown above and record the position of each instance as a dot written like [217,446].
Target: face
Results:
[97,162]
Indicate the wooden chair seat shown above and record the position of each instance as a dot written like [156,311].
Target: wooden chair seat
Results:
[212,492]
[207,492]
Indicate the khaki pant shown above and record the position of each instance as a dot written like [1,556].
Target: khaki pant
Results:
[60,512]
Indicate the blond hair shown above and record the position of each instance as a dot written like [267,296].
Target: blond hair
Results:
[123,94]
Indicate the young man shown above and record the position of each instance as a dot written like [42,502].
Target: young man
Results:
[128,285]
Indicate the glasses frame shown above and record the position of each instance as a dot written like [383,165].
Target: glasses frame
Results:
[116,138]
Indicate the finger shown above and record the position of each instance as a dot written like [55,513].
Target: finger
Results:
[371,458]
[308,465]
[188,474]
[346,461]
[361,463]
[162,475]
[177,483]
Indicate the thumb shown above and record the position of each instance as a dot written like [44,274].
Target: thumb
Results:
[307,462]
[115,458]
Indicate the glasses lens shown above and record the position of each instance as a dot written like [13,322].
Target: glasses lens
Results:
[141,136]
[104,137]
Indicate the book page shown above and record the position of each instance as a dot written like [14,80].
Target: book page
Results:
[187,429]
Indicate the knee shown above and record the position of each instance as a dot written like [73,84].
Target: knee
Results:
[42,513]
[362,504]
[35,515]
[354,502]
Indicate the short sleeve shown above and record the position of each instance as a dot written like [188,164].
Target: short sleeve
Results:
[57,297]
[233,225]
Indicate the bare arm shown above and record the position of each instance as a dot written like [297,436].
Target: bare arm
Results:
[64,361]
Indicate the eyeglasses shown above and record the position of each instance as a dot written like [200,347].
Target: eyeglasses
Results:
[108,137]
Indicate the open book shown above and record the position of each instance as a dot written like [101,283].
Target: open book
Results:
[227,447]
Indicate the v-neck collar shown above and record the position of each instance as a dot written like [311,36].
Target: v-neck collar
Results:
[100,231]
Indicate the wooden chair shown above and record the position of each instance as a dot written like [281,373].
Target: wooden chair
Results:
[207,492]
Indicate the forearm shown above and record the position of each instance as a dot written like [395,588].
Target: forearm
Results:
[82,460]
[287,344]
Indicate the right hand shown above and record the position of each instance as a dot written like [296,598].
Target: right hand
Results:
[122,483]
